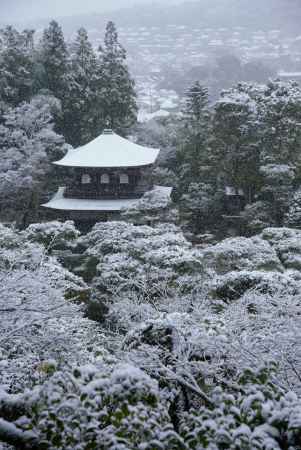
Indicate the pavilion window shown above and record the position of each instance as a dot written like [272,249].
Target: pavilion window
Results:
[86,178]
[124,178]
[104,179]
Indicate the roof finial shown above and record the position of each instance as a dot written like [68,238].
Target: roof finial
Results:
[108,129]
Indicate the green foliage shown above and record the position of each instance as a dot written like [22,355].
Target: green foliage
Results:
[252,146]
[53,235]
[254,415]
[92,409]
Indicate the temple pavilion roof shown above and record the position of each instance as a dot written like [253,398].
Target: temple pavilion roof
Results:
[109,150]
[74,204]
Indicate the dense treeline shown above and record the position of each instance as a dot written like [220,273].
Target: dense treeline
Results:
[93,87]
[52,94]
[236,167]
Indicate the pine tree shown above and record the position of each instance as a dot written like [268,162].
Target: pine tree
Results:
[16,65]
[117,97]
[196,104]
[54,58]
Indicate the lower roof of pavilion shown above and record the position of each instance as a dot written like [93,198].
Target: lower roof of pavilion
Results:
[60,202]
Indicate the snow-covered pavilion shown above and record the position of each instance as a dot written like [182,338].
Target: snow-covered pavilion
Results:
[109,174]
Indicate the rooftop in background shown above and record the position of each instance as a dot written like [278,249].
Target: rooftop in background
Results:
[109,150]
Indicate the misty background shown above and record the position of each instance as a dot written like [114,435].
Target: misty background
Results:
[23,10]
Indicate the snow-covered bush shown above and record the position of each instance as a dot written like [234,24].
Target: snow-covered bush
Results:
[235,284]
[254,414]
[241,254]
[154,207]
[150,261]
[287,244]
[41,315]
[53,235]
[117,409]
[257,217]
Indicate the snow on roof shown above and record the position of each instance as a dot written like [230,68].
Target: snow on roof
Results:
[76,204]
[144,116]
[109,150]
[289,74]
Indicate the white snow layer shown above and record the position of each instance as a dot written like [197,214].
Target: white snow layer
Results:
[109,150]
[76,204]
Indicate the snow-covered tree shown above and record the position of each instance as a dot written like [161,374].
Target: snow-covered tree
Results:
[82,111]
[28,145]
[53,55]
[293,216]
[117,97]
[236,139]
[42,317]
[16,65]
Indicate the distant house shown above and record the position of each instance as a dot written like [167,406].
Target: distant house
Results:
[296,76]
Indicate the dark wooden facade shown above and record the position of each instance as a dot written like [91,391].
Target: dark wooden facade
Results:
[109,183]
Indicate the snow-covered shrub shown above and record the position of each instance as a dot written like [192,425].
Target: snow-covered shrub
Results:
[254,414]
[154,207]
[150,261]
[235,284]
[241,254]
[120,409]
[40,318]
[287,244]
[257,216]
[53,235]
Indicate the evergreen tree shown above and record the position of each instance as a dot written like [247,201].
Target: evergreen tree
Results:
[196,189]
[281,115]
[280,157]
[293,217]
[82,118]
[236,134]
[117,97]
[193,150]
[16,65]
[54,58]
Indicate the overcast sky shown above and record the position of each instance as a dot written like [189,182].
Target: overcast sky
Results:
[12,10]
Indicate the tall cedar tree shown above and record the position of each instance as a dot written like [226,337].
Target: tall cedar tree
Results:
[117,94]
[236,131]
[82,117]
[196,188]
[196,129]
[54,58]
[16,66]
